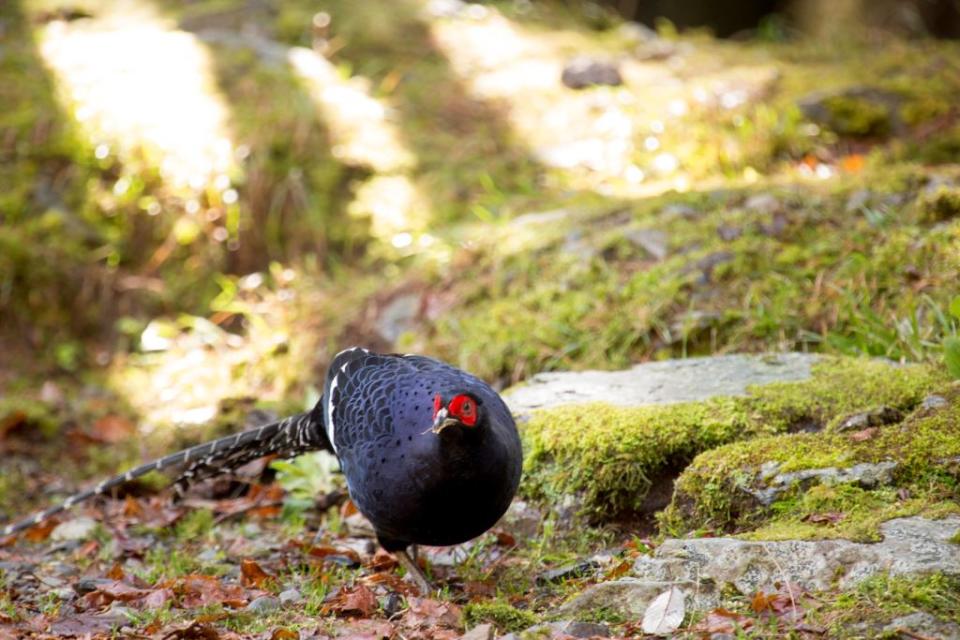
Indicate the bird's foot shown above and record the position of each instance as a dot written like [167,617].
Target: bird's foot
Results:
[413,570]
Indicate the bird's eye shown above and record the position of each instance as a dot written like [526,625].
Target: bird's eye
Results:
[464,408]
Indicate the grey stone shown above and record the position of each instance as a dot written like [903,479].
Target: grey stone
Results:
[479,632]
[709,262]
[678,210]
[398,316]
[858,199]
[63,569]
[523,519]
[933,402]
[581,73]
[923,624]
[628,597]
[585,629]
[574,570]
[729,233]
[363,547]
[77,529]
[910,546]
[636,32]
[763,203]
[86,585]
[872,418]
[653,241]
[357,526]
[571,628]
[290,597]
[208,556]
[864,474]
[664,382]
[263,604]
[576,244]
[64,593]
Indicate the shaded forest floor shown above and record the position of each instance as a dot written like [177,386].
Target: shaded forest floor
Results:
[204,201]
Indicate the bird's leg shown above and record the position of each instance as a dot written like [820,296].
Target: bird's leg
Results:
[413,570]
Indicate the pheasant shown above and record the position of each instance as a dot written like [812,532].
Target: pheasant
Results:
[431,454]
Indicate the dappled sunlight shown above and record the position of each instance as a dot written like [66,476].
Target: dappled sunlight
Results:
[137,85]
[188,366]
[630,140]
[395,207]
[364,134]
[361,126]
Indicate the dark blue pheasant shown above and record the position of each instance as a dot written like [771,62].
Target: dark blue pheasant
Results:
[431,454]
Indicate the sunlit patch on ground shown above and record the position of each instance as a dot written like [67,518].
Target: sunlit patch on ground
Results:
[622,140]
[364,134]
[188,366]
[140,86]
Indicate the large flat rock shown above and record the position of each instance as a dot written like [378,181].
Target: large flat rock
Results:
[701,567]
[665,382]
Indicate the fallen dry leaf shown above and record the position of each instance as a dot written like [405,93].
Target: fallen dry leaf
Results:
[424,612]
[505,539]
[355,601]
[40,532]
[252,574]
[347,509]
[865,434]
[618,571]
[157,598]
[721,620]
[829,517]
[115,572]
[853,163]
[191,631]
[665,614]
[197,591]
[382,561]
[112,429]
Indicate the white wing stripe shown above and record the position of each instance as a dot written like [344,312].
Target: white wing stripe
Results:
[330,428]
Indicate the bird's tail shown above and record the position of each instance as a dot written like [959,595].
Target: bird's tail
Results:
[287,438]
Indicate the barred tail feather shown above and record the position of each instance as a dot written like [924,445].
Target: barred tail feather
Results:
[289,437]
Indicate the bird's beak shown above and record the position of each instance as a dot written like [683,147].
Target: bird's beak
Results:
[441,421]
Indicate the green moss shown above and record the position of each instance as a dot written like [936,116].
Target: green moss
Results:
[34,413]
[882,598]
[195,525]
[942,204]
[609,455]
[504,616]
[857,117]
[715,489]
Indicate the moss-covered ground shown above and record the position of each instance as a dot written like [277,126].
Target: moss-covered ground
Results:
[379,173]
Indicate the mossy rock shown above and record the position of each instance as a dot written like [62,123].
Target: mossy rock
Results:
[502,615]
[859,112]
[719,488]
[939,205]
[609,457]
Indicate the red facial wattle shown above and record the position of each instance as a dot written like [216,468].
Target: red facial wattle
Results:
[464,409]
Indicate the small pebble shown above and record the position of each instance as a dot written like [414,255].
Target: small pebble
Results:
[934,402]
[263,604]
[76,529]
[290,597]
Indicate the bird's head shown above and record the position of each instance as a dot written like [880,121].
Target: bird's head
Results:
[461,410]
